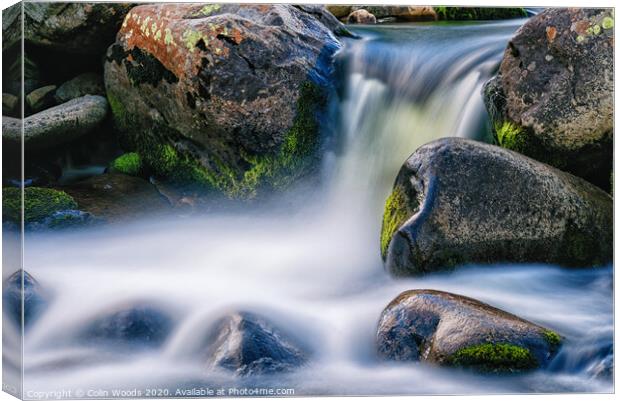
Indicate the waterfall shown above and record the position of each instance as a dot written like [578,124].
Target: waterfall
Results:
[315,271]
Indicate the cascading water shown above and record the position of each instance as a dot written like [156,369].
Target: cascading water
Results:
[316,271]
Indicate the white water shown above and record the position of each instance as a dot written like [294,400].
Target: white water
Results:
[314,269]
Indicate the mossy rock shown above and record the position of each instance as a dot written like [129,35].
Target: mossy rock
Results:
[39,203]
[568,122]
[266,173]
[129,163]
[438,327]
[394,215]
[494,358]
[211,116]
[479,13]
[459,201]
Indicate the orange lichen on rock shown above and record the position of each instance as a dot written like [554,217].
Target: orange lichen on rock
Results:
[165,32]
[551,33]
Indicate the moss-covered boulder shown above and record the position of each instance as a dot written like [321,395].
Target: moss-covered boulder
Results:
[223,96]
[452,330]
[39,203]
[478,13]
[458,201]
[553,96]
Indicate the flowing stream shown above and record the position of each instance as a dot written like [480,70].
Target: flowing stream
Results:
[314,269]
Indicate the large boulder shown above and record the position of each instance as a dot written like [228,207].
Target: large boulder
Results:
[449,329]
[82,28]
[458,201]
[223,96]
[248,344]
[55,126]
[553,96]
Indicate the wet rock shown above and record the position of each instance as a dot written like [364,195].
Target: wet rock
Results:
[248,344]
[223,96]
[56,125]
[603,369]
[449,329]
[81,28]
[84,84]
[553,97]
[139,325]
[34,298]
[479,13]
[117,197]
[458,201]
[361,17]
[41,98]
[10,105]
[401,13]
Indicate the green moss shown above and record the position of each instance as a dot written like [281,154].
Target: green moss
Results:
[129,163]
[494,358]
[394,216]
[510,136]
[295,155]
[270,171]
[478,13]
[39,203]
[553,339]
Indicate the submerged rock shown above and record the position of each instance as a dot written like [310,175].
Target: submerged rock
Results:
[140,325]
[248,344]
[82,28]
[361,17]
[34,298]
[553,97]
[56,125]
[449,329]
[223,96]
[84,84]
[117,197]
[458,201]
